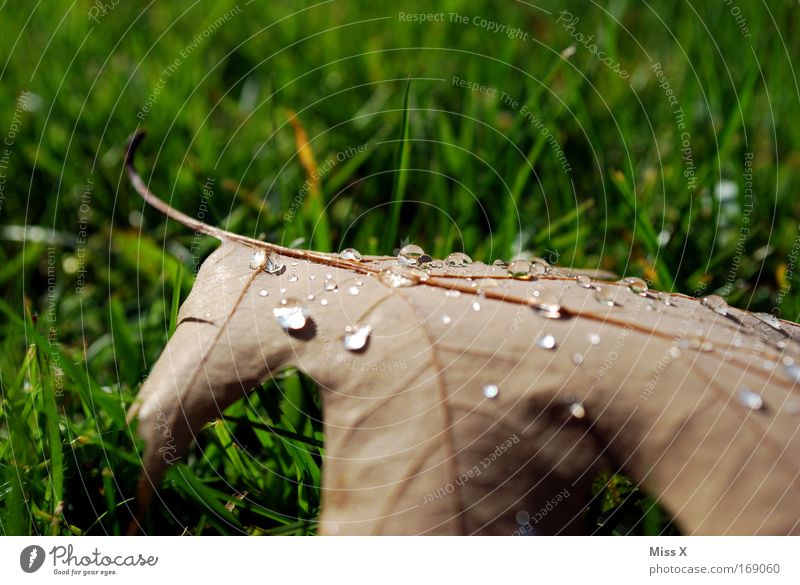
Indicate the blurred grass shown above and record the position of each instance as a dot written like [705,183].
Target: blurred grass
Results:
[403,155]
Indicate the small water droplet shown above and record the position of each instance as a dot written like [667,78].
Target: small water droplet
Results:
[312,277]
[258,260]
[540,267]
[350,254]
[208,315]
[402,277]
[291,315]
[716,303]
[546,341]
[357,337]
[634,284]
[353,290]
[523,517]
[520,269]
[546,309]
[329,286]
[606,297]
[310,297]
[359,283]
[324,302]
[770,320]
[750,399]
[476,306]
[500,263]
[577,358]
[583,281]
[446,319]
[704,346]
[410,255]
[577,410]
[283,290]
[491,391]
[329,276]
[458,259]
[453,294]
[793,371]
[295,263]
[293,278]
[263,292]
[593,339]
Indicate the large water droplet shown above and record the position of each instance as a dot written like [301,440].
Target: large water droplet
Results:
[750,399]
[350,254]
[540,267]
[402,277]
[770,320]
[546,341]
[258,260]
[577,410]
[291,315]
[410,255]
[274,266]
[606,297]
[357,337]
[716,303]
[634,284]
[584,281]
[491,391]
[520,269]
[458,259]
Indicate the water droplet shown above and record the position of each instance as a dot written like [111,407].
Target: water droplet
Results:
[770,320]
[540,267]
[283,290]
[410,255]
[793,371]
[324,302]
[634,284]
[310,297]
[606,297]
[350,254]
[523,517]
[500,263]
[750,399]
[577,358]
[263,292]
[446,319]
[208,314]
[293,278]
[458,259]
[704,346]
[593,339]
[353,290]
[476,306]
[295,263]
[453,294]
[274,265]
[329,286]
[546,341]
[258,260]
[491,390]
[402,277]
[577,410]
[291,315]
[329,276]
[716,303]
[584,281]
[359,283]
[546,309]
[357,337]
[520,269]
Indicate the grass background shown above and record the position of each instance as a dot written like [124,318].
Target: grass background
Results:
[90,279]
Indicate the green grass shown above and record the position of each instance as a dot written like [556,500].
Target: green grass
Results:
[84,319]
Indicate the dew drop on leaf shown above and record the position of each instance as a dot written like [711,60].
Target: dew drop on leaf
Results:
[584,281]
[357,337]
[634,284]
[577,410]
[410,255]
[353,291]
[546,341]
[258,260]
[491,391]
[716,303]
[263,292]
[750,399]
[350,254]
[402,277]
[291,315]
[458,259]
[520,269]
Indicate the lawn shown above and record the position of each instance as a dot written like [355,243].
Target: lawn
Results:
[649,139]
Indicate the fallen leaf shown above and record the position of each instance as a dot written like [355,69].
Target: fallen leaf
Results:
[460,400]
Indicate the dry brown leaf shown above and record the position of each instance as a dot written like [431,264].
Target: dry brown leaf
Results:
[478,396]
